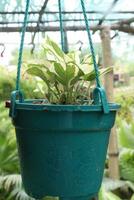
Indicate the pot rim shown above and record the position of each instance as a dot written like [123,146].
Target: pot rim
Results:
[35,104]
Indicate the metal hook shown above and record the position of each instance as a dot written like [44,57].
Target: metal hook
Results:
[3,50]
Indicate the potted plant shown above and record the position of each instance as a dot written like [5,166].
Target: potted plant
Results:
[68,78]
[63,139]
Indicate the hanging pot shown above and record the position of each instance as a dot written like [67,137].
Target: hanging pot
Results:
[62,149]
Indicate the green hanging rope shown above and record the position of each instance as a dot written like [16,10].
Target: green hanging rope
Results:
[62,40]
[90,43]
[61,24]
[21,46]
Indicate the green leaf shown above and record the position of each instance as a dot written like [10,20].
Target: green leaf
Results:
[59,70]
[47,63]
[90,76]
[75,55]
[126,161]
[126,135]
[70,73]
[37,72]
[76,79]
[55,48]
[105,195]
[111,196]
[61,80]
[64,76]
[38,65]
[105,70]
[61,73]
[51,76]
[87,60]
[130,185]
[111,185]
[101,194]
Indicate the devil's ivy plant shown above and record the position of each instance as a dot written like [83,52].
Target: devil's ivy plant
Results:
[68,77]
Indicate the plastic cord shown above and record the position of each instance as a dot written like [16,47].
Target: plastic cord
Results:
[91,43]
[21,46]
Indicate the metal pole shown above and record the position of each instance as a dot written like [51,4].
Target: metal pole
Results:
[65,31]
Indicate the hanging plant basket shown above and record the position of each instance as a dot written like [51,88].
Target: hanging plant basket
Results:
[62,148]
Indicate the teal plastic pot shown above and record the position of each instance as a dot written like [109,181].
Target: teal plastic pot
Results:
[62,149]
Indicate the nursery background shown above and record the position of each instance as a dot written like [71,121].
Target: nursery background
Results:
[112,27]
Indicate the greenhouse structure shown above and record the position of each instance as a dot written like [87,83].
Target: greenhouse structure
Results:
[67,100]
